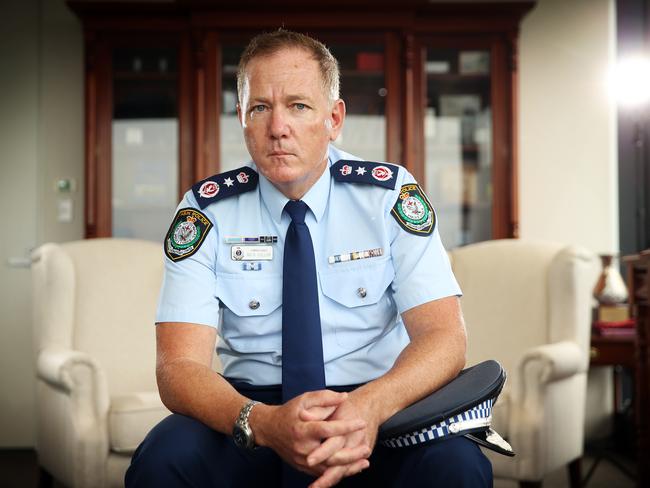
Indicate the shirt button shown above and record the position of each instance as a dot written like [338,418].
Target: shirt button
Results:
[362,292]
[253,304]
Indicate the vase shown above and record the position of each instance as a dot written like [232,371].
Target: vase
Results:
[610,288]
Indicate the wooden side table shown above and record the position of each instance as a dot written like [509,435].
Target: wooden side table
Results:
[614,351]
[633,352]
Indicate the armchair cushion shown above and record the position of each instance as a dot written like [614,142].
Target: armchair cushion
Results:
[130,417]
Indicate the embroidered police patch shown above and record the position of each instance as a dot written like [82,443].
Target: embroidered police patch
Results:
[413,211]
[186,234]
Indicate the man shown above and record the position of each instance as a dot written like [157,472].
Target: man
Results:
[338,304]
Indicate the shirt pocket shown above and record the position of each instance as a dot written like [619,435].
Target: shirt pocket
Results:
[363,308]
[252,319]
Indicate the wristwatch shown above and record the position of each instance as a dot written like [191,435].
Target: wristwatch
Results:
[242,433]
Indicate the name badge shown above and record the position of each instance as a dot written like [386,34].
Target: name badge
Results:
[251,253]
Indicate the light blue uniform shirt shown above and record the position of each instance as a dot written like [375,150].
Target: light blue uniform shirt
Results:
[362,332]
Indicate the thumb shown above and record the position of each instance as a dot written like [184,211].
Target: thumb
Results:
[322,398]
[316,413]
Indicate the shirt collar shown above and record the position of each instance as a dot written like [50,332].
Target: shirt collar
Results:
[316,198]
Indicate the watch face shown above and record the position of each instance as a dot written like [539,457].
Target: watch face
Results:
[240,437]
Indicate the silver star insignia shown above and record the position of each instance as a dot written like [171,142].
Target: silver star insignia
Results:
[361,170]
[228,182]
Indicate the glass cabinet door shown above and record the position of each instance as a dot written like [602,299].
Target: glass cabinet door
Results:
[362,88]
[458,142]
[144,141]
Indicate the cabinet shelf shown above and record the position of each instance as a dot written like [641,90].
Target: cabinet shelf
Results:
[456,78]
[129,75]
[361,73]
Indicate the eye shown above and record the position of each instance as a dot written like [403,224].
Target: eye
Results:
[258,108]
[300,106]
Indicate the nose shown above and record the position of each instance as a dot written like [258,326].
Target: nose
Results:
[279,126]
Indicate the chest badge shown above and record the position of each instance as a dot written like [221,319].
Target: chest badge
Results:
[353,256]
[251,240]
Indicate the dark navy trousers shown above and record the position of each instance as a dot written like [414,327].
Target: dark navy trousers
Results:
[182,452]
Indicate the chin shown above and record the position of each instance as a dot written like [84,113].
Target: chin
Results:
[283,175]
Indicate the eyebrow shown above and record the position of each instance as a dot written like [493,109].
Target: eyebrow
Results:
[289,98]
[299,96]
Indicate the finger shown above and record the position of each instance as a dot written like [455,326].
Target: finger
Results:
[357,467]
[335,474]
[330,477]
[316,413]
[313,471]
[348,455]
[330,428]
[323,398]
[325,450]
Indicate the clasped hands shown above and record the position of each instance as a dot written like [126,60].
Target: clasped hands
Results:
[327,434]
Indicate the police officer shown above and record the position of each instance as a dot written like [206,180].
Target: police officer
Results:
[311,366]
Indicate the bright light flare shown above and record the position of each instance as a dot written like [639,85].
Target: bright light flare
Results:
[629,81]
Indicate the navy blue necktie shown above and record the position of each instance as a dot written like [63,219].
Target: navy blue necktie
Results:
[302,342]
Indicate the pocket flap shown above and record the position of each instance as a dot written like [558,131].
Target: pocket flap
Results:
[357,284]
[249,296]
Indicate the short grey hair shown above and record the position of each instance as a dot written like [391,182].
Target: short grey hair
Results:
[269,43]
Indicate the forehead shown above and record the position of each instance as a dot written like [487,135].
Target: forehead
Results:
[285,65]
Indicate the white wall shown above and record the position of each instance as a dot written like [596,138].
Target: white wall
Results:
[567,130]
[19,71]
[568,144]
[61,120]
[41,140]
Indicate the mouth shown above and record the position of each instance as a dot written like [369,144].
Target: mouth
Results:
[279,153]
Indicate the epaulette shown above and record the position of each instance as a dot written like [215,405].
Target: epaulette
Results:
[350,171]
[224,185]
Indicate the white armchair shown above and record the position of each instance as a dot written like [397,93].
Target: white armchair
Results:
[528,305]
[94,306]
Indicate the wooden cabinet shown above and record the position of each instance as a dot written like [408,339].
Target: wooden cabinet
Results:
[638,281]
[431,86]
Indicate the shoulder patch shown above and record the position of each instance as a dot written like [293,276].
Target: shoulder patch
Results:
[186,234]
[381,174]
[224,185]
[413,211]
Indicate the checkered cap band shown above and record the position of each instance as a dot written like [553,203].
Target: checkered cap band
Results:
[482,411]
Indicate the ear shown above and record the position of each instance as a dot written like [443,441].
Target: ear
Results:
[337,116]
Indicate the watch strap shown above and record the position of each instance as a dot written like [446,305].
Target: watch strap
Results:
[245,412]
[242,424]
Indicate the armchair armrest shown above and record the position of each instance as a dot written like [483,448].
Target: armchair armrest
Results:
[558,360]
[77,374]
[547,416]
[544,365]
[72,437]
